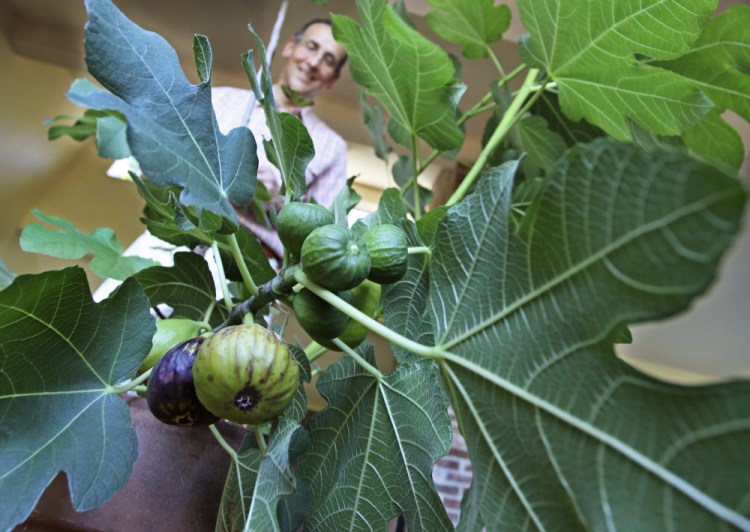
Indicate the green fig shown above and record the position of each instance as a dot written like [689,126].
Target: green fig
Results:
[246,374]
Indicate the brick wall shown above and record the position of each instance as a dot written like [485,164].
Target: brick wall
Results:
[452,474]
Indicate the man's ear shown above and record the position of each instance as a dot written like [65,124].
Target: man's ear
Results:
[328,84]
[286,50]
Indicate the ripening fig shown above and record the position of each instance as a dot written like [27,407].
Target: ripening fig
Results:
[246,374]
[171,394]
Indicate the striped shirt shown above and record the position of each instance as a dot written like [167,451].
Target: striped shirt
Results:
[325,175]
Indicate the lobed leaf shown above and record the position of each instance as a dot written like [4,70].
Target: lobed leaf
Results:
[172,130]
[412,77]
[290,148]
[70,243]
[715,141]
[108,127]
[592,51]
[373,449]
[373,119]
[474,24]
[562,434]
[60,356]
[188,287]
[165,220]
[719,63]
[541,146]
[256,484]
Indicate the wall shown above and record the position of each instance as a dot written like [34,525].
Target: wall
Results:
[61,178]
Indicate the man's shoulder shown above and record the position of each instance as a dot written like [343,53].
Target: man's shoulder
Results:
[313,121]
[227,92]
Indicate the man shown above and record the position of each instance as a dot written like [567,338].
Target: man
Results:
[313,62]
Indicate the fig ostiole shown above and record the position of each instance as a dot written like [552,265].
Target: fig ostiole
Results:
[171,393]
[245,374]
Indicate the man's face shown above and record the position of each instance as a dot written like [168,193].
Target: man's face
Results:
[311,61]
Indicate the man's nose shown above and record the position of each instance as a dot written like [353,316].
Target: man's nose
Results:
[313,60]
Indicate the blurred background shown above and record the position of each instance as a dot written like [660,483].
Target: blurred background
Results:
[41,51]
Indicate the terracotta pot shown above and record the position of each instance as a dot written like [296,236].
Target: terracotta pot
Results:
[176,483]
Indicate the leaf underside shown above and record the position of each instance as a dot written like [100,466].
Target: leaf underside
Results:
[561,433]
[373,449]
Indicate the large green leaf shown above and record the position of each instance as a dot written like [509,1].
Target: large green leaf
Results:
[60,356]
[373,449]
[412,77]
[69,242]
[719,63]
[592,50]
[541,146]
[714,140]
[172,130]
[474,24]
[109,129]
[562,434]
[373,119]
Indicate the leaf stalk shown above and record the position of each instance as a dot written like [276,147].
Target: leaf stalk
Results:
[369,368]
[502,129]
[244,272]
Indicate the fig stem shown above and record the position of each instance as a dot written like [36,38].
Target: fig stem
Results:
[260,439]
[244,272]
[209,311]
[419,249]
[502,129]
[369,368]
[314,351]
[223,442]
[131,385]
[222,276]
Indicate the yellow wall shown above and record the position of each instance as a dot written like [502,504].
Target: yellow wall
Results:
[62,178]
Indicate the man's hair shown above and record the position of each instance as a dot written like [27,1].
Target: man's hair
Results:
[300,32]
